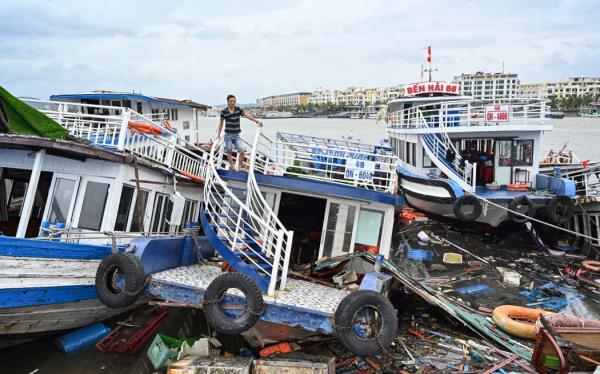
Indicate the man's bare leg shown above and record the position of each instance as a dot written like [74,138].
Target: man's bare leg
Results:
[241,159]
[230,159]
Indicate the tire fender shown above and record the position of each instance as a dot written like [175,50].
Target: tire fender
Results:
[514,205]
[215,316]
[129,266]
[343,323]
[552,210]
[467,200]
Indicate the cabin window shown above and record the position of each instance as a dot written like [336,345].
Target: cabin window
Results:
[338,234]
[187,138]
[94,203]
[163,207]
[139,107]
[515,152]
[189,212]
[523,152]
[368,231]
[61,200]
[139,210]
[127,103]
[426,160]
[414,154]
[186,125]
[124,208]
[174,114]
[17,196]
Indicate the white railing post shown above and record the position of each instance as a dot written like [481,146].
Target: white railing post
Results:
[286,260]
[474,178]
[276,259]
[123,132]
[525,113]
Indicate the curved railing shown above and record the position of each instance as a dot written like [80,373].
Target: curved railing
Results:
[249,229]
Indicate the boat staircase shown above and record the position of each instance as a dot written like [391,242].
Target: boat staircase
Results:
[438,146]
[238,222]
[242,226]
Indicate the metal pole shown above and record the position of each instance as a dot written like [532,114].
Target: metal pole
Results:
[30,195]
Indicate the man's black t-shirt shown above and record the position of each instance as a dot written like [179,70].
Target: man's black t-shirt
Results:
[232,120]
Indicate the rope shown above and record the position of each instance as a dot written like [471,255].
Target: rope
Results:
[531,218]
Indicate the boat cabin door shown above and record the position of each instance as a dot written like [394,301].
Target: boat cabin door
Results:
[339,227]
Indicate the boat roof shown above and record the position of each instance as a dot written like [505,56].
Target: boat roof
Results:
[108,95]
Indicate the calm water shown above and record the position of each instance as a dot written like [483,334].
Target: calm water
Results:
[582,135]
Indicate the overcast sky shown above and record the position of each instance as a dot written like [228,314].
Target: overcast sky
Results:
[205,50]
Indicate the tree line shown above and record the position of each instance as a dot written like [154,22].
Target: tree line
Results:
[572,102]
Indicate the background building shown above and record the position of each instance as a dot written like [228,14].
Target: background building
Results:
[285,100]
[181,114]
[355,96]
[576,86]
[488,86]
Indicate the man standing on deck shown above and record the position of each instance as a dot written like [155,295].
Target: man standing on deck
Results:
[231,115]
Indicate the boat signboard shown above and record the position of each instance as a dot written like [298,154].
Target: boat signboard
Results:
[497,113]
[361,170]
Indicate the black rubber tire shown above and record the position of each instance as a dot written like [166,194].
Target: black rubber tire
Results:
[344,316]
[255,304]
[552,210]
[514,206]
[467,200]
[132,270]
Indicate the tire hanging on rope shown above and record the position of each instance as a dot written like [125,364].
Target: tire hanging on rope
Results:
[351,333]
[215,292]
[119,279]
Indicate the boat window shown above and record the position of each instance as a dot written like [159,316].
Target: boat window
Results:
[139,210]
[94,203]
[138,106]
[166,218]
[338,234]
[523,153]
[17,195]
[189,212]
[515,152]
[426,160]
[61,200]
[504,150]
[157,212]
[368,231]
[124,208]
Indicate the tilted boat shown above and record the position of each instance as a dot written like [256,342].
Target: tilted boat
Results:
[474,160]
[76,187]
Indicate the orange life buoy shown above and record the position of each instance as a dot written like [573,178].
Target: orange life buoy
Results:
[145,128]
[591,265]
[517,320]
[167,125]
[516,187]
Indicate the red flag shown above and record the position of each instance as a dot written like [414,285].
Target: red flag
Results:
[429,54]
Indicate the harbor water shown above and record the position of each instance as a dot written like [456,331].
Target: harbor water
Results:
[581,135]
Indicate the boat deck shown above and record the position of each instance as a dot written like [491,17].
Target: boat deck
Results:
[503,193]
[303,303]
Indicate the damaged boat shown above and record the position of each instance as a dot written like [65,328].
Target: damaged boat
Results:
[68,200]
[472,160]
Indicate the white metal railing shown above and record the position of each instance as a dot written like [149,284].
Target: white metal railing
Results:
[126,130]
[326,160]
[437,145]
[470,113]
[247,225]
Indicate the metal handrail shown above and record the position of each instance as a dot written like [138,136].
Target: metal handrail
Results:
[471,113]
[113,131]
[242,225]
[316,160]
